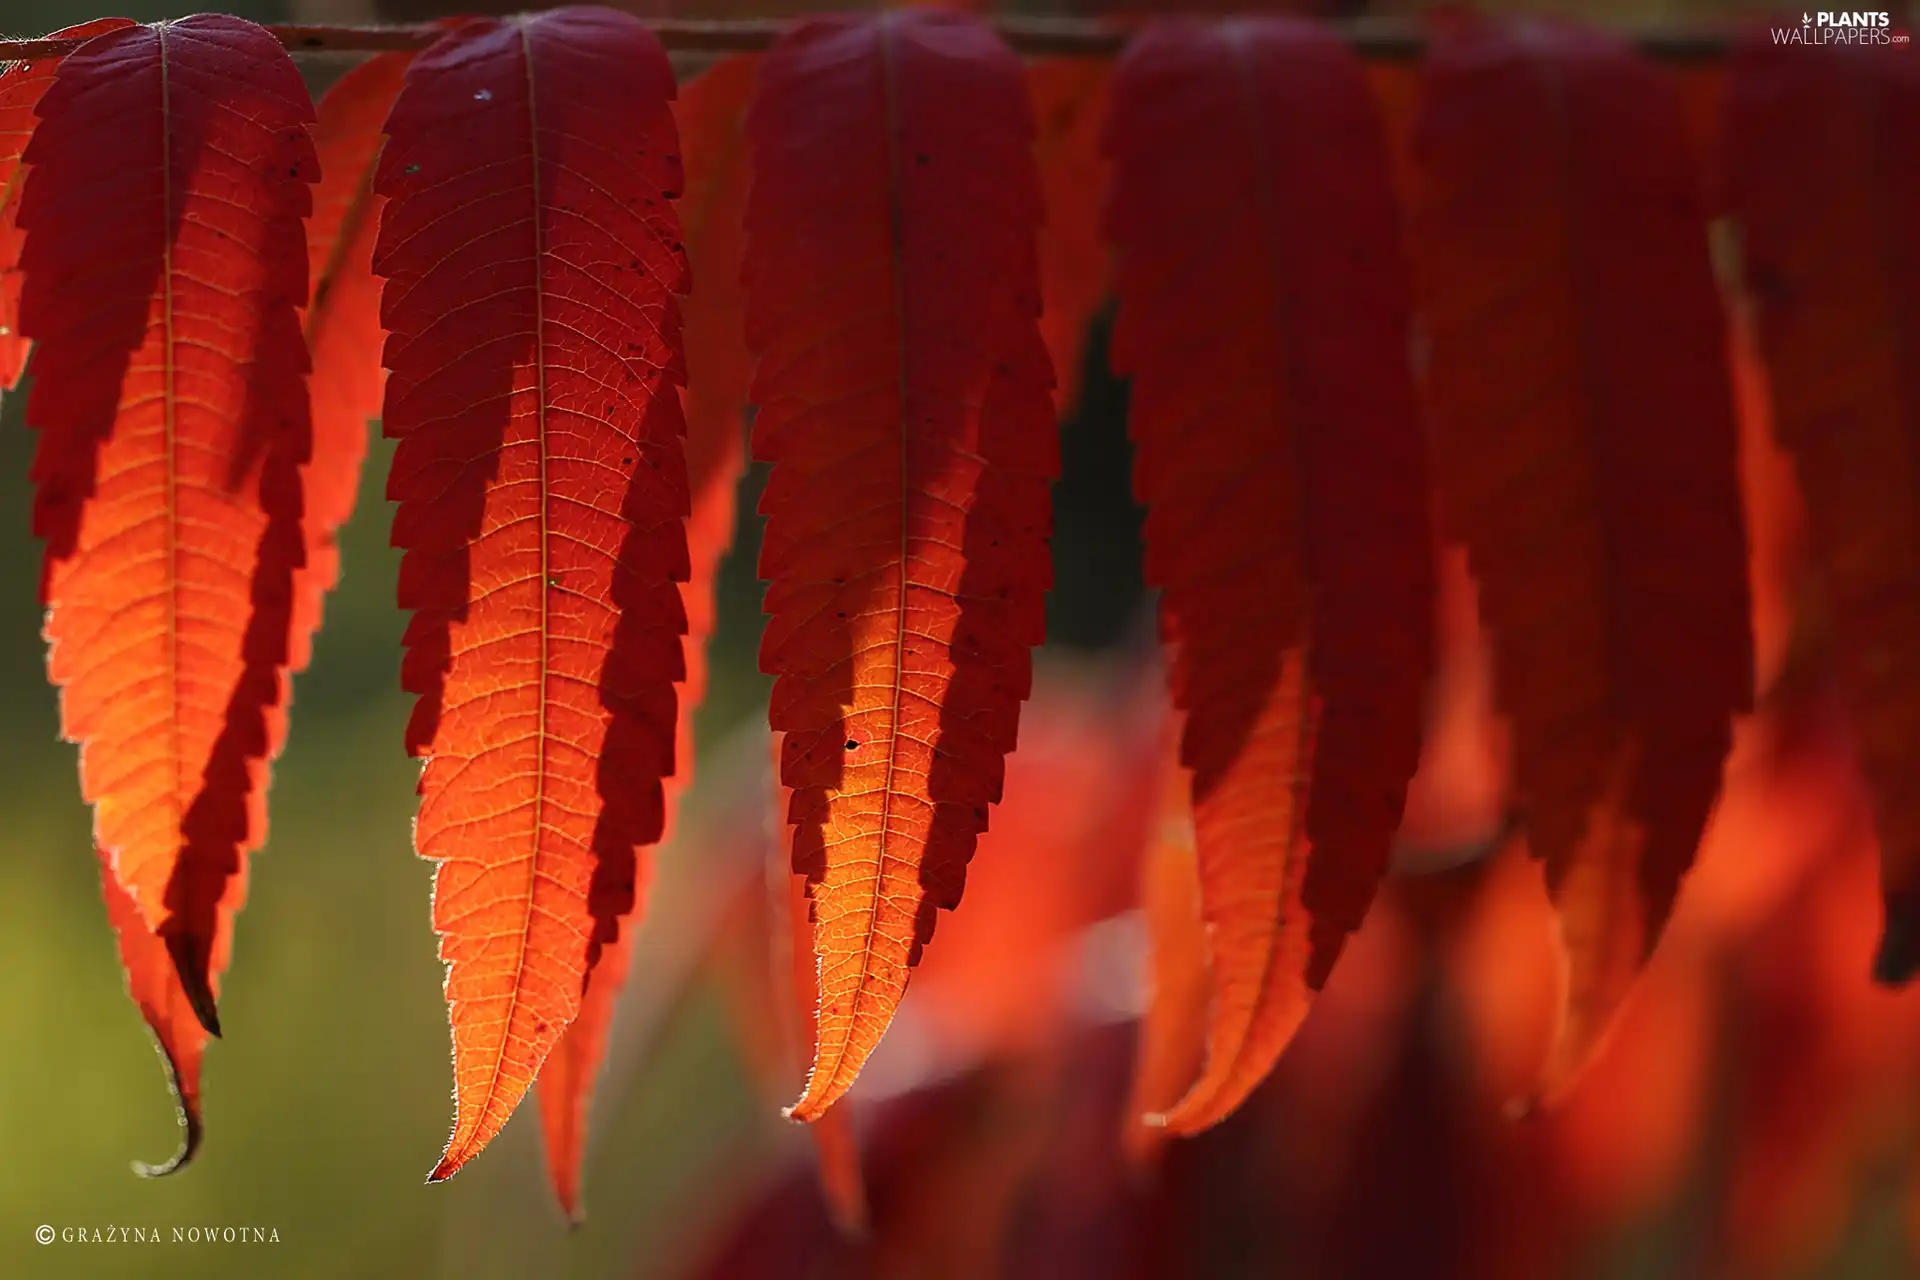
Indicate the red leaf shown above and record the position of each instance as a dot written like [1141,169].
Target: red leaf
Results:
[1586,453]
[1836,281]
[342,321]
[1264,319]
[532,258]
[155,987]
[21,84]
[903,390]
[1069,101]
[711,112]
[164,264]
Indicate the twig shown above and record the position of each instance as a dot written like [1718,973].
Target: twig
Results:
[1379,39]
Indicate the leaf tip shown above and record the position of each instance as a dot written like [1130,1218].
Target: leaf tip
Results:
[823,1089]
[566,1195]
[1576,1048]
[191,1130]
[449,1165]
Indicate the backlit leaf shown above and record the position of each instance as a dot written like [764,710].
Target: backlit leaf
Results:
[892,298]
[164,264]
[1586,454]
[711,112]
[342,320]
[533,260]
[1173,1029]
[1264,319]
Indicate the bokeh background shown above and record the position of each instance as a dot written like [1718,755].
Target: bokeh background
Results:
[327,1102]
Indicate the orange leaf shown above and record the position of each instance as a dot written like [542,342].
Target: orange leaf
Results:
[21,84]
[164,265]
[1586,454]
[710,113]
[903,390]
[532,258]
[1836,282]
[1279,457]
[1173,1029]
[155,987]
[1069,100]
[342,320]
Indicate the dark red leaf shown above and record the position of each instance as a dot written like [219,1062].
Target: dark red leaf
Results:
[903,393]
[1264,320]
[1586,453]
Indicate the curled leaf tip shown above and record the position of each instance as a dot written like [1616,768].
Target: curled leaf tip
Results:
[189,1147]
[187,1113]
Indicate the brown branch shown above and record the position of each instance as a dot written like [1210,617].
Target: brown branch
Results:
[1380,39]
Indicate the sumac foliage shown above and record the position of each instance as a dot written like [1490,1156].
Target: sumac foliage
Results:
[1586,454]
[1547,315]
[1269,376]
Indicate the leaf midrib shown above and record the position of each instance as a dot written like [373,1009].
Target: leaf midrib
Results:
[492,1092]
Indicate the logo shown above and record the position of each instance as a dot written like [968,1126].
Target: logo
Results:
[1846,27]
